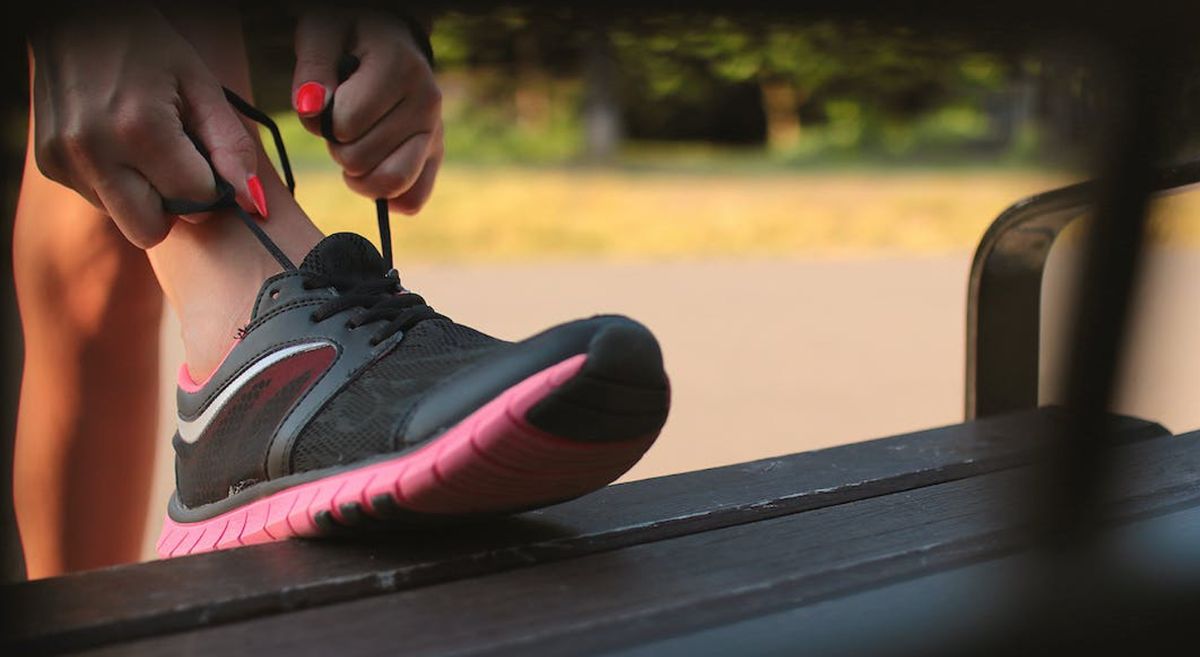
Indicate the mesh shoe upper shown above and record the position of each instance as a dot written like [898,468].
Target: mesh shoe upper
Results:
[284,363]
[338,365]
[363,420]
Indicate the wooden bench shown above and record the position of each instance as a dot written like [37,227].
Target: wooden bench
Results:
[671,559]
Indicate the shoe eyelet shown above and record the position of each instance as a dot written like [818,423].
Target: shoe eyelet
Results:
[314,319]
[274,294]
[350,326]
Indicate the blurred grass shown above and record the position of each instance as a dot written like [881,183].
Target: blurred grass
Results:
[512,213]
[1175,219]
[692,203]
[509,213]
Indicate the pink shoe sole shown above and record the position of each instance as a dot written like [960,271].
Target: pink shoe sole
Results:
[493,461]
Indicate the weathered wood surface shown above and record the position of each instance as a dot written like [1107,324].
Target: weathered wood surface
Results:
[119,603]
[620,598]
[940,612]
[132,601]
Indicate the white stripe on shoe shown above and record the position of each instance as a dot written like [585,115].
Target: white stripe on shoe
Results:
[190,431]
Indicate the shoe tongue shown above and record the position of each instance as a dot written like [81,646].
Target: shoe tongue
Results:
[345,256]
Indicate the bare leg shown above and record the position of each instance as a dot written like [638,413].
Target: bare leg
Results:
[90,312]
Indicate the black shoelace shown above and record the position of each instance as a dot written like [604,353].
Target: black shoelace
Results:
[382,299]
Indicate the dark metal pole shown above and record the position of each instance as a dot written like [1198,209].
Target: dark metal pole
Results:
[1079,464]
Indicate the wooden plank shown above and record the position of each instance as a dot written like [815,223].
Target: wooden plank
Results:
[645,592]
[97,607]
[927,614]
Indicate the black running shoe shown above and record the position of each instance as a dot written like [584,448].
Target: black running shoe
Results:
[347,400]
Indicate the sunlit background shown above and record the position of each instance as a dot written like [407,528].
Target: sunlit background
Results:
[791,207]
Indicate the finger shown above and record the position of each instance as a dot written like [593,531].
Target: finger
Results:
[398,171]
[85,190]
[67,160]
[414,199]
[80,185]
[67,165]
[418,112]
[135,207]
[386,75]
[231,149]
[321,37]
[154,144]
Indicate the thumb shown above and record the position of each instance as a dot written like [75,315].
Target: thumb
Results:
[320,40]
[231,150]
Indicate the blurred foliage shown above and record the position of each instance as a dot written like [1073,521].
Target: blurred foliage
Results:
[536,87]
[485,131]
[899,74]
[823,90]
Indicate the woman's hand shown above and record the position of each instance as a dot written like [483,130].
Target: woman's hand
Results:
[114,102]
[387,116]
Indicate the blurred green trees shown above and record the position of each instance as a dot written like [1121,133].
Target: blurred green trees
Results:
[861,87]
[554,86]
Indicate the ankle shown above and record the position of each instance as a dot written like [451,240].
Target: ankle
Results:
[212,272]
[209,327]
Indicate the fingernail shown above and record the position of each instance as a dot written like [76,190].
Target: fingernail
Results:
[310,99]
[256,194]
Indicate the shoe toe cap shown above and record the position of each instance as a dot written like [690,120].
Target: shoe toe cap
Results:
[621,355]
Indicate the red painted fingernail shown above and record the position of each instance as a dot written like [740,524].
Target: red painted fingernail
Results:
[256,194]
[310,99]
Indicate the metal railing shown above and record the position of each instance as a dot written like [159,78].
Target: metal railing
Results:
[1004,291]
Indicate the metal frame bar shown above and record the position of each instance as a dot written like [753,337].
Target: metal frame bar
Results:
[1004,291]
